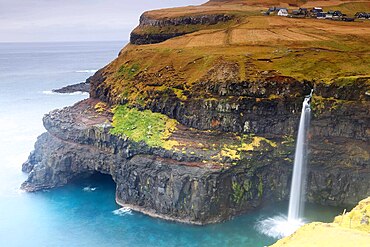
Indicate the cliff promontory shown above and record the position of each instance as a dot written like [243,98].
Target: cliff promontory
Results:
[196,119]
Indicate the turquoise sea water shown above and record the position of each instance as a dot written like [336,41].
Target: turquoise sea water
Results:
[84,213]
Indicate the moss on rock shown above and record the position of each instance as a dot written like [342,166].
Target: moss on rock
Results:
[152,128]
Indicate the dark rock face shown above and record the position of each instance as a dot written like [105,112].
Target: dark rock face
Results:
[139,38]
[142,39]
[96,81]
[155,181]
[79,87]
[145,20]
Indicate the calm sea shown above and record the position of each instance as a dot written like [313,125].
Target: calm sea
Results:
[84,213]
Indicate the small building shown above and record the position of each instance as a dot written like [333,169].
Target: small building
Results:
[348,19]
[321,15]
[303,11]
[337,13]
[315,11]
[329,14]
[362,15]
[283,12]
[300,13]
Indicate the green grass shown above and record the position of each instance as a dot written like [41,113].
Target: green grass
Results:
[128,72]
[152,128]
[348,81]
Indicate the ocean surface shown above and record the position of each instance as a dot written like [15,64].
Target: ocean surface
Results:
[84,213]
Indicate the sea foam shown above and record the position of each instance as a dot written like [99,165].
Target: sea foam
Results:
[74,93]
[278,226]
[89,189]
[86,71]
[122,211]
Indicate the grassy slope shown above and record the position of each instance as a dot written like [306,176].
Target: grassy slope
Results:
[302,48]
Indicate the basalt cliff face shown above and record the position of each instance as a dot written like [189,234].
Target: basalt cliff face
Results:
[201,127]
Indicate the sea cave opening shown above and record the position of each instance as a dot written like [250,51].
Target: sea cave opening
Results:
[97,182]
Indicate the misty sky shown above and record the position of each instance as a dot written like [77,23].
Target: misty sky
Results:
[74,20]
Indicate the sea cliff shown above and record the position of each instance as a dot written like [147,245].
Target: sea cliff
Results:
[200,127]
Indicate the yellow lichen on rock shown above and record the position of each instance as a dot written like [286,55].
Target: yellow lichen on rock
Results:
[100,107]
[350,229]
[326,235]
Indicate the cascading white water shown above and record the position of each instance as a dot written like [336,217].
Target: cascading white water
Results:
[296,201]
[281,226]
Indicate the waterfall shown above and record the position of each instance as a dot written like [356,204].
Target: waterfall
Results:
[296,201]
[280,225]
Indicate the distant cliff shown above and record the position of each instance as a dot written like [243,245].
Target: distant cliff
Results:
[152,30]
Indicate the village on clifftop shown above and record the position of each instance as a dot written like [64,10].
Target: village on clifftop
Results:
[316,12]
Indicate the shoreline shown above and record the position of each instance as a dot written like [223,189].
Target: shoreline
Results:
[153,214]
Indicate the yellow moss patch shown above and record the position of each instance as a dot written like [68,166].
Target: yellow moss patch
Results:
[179,94]
[247,143]
[350,229]
[256,142]
[358,218]
[231,153]
[325,235]
[100,107]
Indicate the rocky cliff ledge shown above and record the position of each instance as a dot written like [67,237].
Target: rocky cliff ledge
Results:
[201,127]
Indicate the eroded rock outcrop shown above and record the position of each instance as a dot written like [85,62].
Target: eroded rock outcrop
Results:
[188,186]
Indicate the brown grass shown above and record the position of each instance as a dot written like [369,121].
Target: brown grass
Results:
[301,48]
[253,6]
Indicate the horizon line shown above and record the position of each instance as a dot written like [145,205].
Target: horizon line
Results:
[69,41]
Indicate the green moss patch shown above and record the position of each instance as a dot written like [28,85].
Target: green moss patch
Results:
[152,128]
[128,71]
[238,192]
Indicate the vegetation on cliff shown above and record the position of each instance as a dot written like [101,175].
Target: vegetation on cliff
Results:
[152,128]
[248,48]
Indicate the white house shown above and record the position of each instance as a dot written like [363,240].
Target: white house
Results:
[283,12]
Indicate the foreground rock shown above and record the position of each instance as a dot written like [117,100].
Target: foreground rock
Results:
[350,229]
